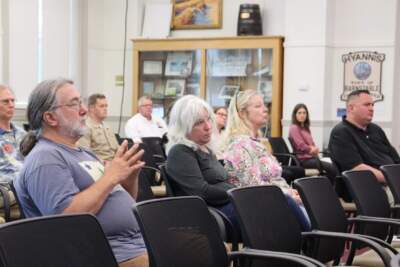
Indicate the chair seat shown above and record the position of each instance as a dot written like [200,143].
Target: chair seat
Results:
[311,172]
[369,259]
[159,190]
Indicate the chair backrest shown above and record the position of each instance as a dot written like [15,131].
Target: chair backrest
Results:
[325,212]
[122,139]
[392,175]
[61,240]
[370,200]
[170,185]
[146,175]
[265,218]
[184,235]
[278,145]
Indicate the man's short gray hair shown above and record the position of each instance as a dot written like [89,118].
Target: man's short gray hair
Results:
[142,99]
[184,114]
[6,87]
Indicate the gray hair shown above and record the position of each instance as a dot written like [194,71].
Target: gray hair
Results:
[42,99]
[143,98]
[6,87]
[184,114]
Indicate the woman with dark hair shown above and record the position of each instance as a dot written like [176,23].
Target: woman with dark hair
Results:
[303,144]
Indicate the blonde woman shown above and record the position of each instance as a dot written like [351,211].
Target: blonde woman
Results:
[247,161]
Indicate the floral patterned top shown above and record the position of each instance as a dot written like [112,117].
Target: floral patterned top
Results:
[248,162]
[10,158]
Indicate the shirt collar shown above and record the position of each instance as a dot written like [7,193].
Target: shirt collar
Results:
[355,126]
[13,130]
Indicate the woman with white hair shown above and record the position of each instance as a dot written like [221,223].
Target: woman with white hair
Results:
[247,160]
[192,164]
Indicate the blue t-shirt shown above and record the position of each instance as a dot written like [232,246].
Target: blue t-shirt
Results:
[53,174]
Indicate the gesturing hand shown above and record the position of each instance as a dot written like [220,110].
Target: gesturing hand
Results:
[126,163]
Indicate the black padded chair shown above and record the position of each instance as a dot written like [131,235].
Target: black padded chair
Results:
[61,240]
[282,153]
[327,214]
[227,231]
[392,176]
[187,236]
[155,147]
[170,185]
[267,222]
[146,175]
[122,139]
[371,200]
[291,167]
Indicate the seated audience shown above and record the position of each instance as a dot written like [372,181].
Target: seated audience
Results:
[247,160]
[356,143]
[192,164]
[303,144]
[144,123]
[59,177]
[10,137]
[221,115]
[98,137]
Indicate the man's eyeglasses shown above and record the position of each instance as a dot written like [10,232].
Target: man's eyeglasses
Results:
[74,104]
[7,101]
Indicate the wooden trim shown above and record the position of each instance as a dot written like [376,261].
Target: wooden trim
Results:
[202,44]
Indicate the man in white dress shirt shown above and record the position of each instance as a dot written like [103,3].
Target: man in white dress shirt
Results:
[144,124]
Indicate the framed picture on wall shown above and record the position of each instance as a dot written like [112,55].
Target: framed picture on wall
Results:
[152,67]
[148,88]
[227,91]
[179,64]
[196,14]
[175,87]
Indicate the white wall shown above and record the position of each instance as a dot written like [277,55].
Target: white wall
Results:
[105,19]
[317,34]
[85,41]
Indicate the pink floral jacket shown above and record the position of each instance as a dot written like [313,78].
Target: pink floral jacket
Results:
[248,162]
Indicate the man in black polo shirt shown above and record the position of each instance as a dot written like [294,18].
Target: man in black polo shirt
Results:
[358,144]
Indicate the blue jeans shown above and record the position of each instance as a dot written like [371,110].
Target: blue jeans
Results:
[230,212]
[300,213]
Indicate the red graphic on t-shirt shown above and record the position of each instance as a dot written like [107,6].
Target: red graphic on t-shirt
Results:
[8,148]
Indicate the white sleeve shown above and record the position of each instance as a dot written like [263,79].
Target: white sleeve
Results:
[164,126]
[131,131]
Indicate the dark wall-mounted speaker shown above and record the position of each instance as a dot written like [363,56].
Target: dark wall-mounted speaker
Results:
[249,22]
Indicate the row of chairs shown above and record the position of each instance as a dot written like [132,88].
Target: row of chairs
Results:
[190,236]
[325,203]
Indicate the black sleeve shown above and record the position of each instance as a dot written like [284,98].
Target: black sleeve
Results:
[392,151]
[183,168]
[344,151]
